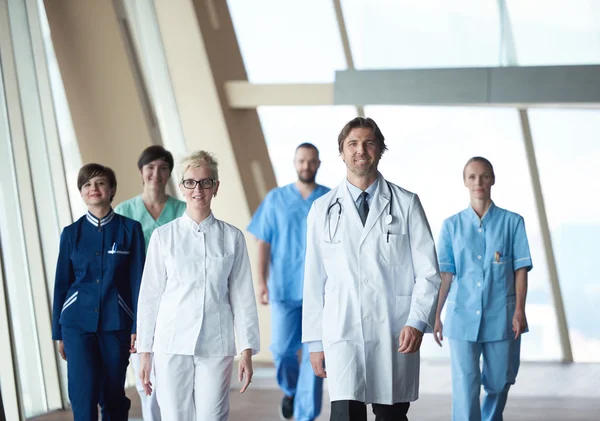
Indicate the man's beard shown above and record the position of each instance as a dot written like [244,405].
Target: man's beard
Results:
[307,180]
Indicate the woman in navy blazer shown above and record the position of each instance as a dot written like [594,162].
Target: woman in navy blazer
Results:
[98,277]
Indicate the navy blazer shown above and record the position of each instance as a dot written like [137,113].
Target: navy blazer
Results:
[98,274]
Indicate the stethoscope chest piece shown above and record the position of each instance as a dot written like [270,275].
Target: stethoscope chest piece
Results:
[388,219]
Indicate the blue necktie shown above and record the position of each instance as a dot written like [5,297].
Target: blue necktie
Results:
[363,208]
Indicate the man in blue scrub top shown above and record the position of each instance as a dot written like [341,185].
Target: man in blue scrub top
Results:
[279,224]
[484,259]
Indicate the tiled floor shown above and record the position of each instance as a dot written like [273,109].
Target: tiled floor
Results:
[544,392]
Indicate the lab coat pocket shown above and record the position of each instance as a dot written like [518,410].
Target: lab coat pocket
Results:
[401,312]
[393,249]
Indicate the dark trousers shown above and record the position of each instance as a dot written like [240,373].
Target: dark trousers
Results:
[97,361]
[357,411]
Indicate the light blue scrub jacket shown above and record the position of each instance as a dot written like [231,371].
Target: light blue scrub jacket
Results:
[280,220]
[483,254]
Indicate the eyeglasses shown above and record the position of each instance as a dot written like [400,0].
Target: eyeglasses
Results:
[207,183]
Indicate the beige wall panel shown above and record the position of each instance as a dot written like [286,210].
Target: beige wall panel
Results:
[202,53]
[100,84]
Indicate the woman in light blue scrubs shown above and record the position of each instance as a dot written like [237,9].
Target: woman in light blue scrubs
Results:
[153,208]
[484,260]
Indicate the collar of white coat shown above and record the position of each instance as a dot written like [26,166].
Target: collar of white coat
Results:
[380,187]
[202,226]
[379,202]
[487,216]
[355,192]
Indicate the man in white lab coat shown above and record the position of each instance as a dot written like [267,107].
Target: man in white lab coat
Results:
[370,284]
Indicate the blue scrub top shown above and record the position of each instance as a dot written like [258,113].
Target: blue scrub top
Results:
[483,254]
[280,220]
[98,274]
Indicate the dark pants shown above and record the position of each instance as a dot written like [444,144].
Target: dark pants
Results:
[95,359]
[357,411]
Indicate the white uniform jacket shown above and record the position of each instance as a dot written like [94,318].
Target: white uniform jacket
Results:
[362,285]
[196,287]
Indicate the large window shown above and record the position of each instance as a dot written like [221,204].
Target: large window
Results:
[568,152]
[32,204]
[555,32]
[288,41]
[420,34]
[20,304]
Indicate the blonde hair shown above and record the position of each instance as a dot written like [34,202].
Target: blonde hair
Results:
[200,159]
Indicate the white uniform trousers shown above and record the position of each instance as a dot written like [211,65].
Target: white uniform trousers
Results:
[192,388]
[149,404]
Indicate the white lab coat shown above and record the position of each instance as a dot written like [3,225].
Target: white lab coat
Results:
[360,290]
[196,287]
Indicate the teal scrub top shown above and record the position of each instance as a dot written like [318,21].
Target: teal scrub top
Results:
[135,209]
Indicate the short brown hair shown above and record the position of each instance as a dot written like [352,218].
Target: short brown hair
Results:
[483,161]
[362,123]
[152,153]
[89,171]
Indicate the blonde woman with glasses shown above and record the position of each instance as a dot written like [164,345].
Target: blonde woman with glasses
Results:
[196,291]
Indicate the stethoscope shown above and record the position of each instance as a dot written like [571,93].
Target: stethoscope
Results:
[388,218]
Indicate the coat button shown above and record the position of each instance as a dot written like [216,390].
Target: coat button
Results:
[478,284]
[480,230]
[366,281]
[97,253]
[479,257]
[478,312]
[96,310]
[97,281]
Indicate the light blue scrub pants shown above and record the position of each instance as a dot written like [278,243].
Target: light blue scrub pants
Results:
[294,378]
[500,366]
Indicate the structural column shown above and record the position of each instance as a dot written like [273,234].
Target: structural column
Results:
[102,87]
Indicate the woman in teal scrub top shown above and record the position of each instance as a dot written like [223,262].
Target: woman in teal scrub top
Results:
[153,208]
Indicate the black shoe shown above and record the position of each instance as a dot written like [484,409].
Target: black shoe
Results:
[286,411]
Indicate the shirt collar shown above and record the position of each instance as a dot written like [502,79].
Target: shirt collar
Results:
[355,191]
[488,214]
[100,222]
[202,226]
